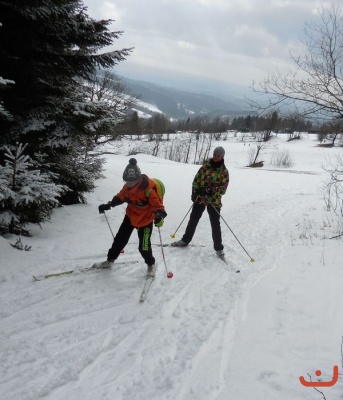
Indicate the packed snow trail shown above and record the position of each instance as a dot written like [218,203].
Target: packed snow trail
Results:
[105,345]
[87,336]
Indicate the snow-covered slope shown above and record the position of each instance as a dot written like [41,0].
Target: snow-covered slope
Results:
[206,334]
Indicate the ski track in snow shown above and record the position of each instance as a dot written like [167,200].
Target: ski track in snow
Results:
[86,336]
[186,317]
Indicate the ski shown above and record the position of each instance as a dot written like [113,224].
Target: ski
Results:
[224,260]
[181,247]
[146,287]
[81,269]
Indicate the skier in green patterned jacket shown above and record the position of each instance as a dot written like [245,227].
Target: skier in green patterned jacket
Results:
[209,185]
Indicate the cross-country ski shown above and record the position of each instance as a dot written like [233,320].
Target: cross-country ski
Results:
[222,258]
[172,245]
[79,269]
[148,281]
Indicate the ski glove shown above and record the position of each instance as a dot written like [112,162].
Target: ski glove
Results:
[104,207]
[205,191]
[160,223]
[159,218]
[194,196]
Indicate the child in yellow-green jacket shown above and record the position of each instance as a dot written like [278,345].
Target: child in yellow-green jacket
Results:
[209,185]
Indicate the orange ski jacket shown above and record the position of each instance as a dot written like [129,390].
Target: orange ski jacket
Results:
[141,208]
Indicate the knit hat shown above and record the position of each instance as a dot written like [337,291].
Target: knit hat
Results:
[132,173]
[220,151]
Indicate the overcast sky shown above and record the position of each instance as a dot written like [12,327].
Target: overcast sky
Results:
[234,41]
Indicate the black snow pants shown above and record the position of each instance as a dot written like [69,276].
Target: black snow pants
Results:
[123,235]
[194,218]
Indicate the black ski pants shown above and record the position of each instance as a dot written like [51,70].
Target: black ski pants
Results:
[194,218]
[123,235]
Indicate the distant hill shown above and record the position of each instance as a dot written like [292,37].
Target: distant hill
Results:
[180,104]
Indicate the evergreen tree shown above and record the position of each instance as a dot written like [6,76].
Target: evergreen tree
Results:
[26,194]
[4,114]
[4,83]
[45,45]
[48,47]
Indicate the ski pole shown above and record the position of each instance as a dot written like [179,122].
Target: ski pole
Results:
[108,224]
[251,259]
[122,251]
[169,274]
[173,235]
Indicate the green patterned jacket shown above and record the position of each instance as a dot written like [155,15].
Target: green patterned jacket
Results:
[214,176]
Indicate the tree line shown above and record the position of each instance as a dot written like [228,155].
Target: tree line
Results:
[161,124]
[273,121]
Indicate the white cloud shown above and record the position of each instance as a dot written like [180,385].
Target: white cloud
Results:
[185,45]
[229,40]
[110,9]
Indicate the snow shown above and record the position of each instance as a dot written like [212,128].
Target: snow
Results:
[146,106]
[206,334]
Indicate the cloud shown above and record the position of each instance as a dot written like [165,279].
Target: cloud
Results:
[230,40]
[107,10]
[185,45]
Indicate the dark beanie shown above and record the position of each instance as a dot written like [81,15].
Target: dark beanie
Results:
[219,150]
[132,172]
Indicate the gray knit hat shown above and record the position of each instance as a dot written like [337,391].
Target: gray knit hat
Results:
[132,172]
[220,151]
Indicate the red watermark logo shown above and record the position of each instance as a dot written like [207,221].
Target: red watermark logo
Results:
[320,383]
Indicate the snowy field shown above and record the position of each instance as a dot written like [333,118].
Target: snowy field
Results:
[206,334]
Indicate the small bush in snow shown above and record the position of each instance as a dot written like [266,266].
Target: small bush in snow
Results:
[333,187]
[282,159]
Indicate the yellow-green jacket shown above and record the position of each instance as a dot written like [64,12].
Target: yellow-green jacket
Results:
[214,177]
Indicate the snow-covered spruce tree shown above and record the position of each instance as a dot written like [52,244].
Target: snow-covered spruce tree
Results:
[78,173]
[26,194]
[48,46]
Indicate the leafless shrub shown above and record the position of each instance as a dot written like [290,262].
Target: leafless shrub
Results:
[333,187]
[282,159]
[255,151]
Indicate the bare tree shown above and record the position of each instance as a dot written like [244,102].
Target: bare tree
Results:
[255,152]
[266,125]
[315,87]
[110,103]
[189,140]
[332,131]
